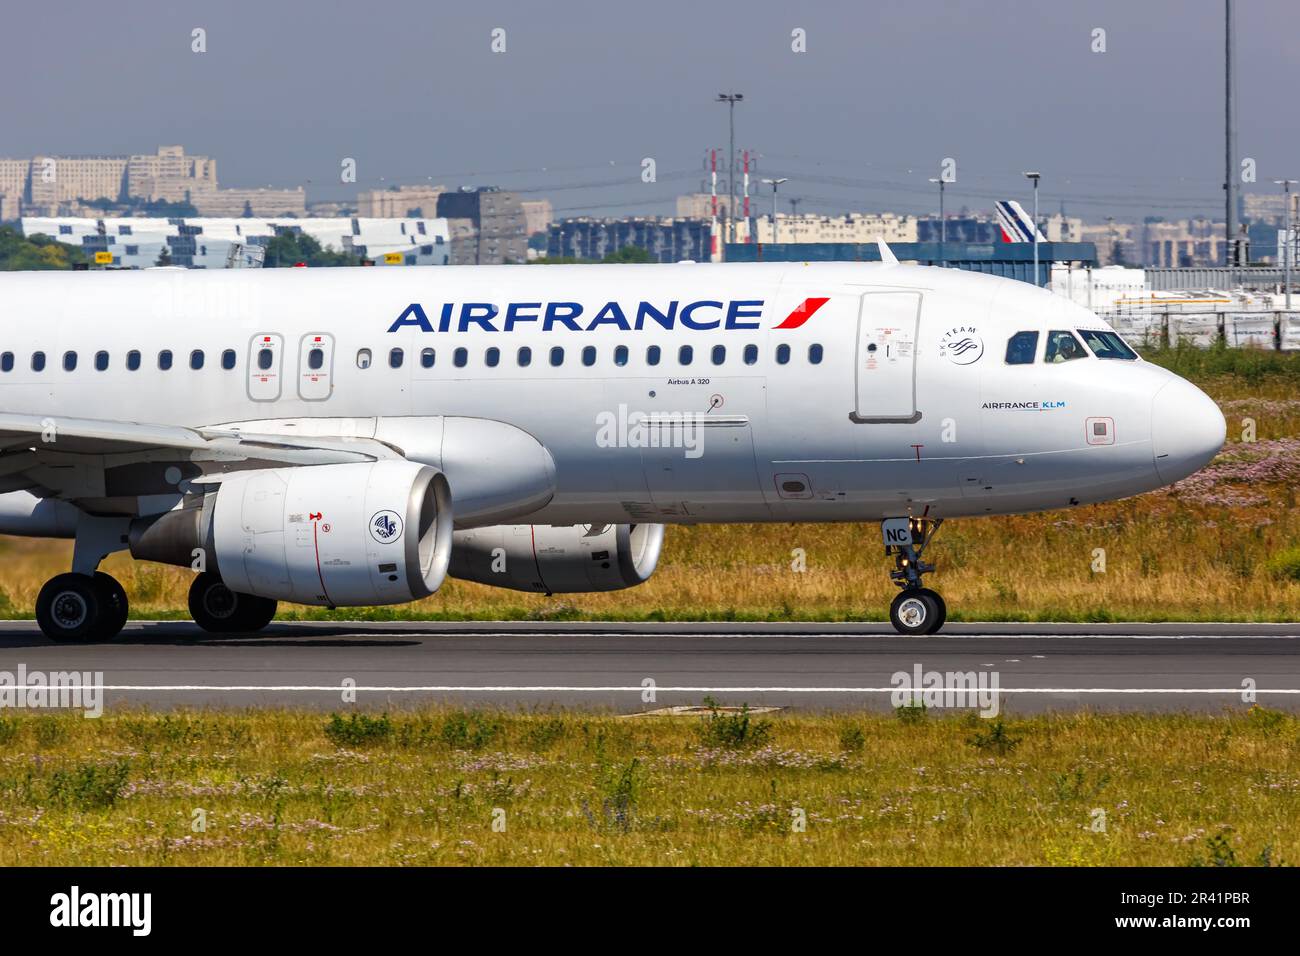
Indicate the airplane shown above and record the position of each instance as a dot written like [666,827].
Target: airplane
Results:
[350,437]
[1016,224]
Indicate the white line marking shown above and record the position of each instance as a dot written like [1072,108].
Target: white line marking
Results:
[637,688]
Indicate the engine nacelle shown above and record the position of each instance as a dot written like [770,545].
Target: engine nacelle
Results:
[557,559]
[334,535]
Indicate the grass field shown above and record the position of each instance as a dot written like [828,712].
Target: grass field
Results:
[426,787]
[1222,545]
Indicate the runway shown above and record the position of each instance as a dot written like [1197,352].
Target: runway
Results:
[629,668]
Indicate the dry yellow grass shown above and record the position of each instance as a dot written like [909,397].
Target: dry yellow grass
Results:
[274,787]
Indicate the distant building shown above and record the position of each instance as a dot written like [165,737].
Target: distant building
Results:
[217,203]
[1184,243]
[958,229]
[853,227]
[667,240]
[45,184]
[498,220]
[399,202]
[537,215]
[700,205]
[1268,208]
[208,243]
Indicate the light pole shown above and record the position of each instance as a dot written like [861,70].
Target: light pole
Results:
[1035,176]
[943,224]
[775,183]
[1288,243]
[731,99]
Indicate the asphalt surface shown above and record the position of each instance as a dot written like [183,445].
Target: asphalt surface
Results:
[1150,667]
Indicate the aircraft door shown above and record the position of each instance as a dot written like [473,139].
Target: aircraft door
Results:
[315,367]
[885,373]
[265,354]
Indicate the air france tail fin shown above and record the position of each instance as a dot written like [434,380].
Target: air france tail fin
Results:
[1016,224]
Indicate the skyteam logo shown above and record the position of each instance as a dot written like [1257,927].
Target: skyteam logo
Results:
[702,315]
[962,345]
[386,526]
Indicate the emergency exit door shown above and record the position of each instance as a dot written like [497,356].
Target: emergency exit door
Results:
[264,358]
[315,366]
[885,376]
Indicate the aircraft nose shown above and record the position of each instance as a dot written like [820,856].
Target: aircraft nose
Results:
[1187,430]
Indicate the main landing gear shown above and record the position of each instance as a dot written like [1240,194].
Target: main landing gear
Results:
[76,607]
[219,610]
[916,609]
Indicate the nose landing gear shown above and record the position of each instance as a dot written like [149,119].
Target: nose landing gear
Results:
[916,609]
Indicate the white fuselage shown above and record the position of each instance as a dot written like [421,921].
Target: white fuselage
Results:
[911,408]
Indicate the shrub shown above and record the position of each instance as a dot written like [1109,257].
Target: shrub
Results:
[1285,564]
[358,729]
[462,731]
[734,731]
[996,740]
[88,786]
[852,739]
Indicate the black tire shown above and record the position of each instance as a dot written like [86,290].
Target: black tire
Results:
[70,609]
[915,612]
[219,610]
[115,607]
[943,610]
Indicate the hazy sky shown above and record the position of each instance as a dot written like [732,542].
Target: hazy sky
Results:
[586,90]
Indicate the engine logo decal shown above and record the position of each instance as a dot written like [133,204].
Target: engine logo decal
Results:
[385,526]
[962,345]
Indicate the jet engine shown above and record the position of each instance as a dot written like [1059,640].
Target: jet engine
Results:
[334,535]
[557,559]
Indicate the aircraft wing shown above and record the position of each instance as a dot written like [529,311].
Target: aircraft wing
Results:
[92,459]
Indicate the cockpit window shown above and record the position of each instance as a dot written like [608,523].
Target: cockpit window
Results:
[1021,348]
[1107,344]
[1063,346]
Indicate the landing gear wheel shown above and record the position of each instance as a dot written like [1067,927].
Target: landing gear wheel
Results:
[115,604]
[916,611]
[942,605]
[70,609]
[219,610]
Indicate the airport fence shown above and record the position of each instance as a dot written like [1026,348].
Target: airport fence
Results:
[1271,330]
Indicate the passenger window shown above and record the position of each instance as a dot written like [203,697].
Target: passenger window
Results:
[1062,347]
[782,354]
[460,358]
[1021,348]
[589,356]
[620,355]
[228,359]
[525,356]
[196,360]
[652,355]
[557,356]
[265,359]
[685,355]
[165,359]
[492,357]
[38,361]
[395,357]
[719,354]
[7,362]
[751,354]
[101,361]
[1107,344]
[363,358]
[132,360]
[315,358]
[426,358]
[69,361]
[815,354]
